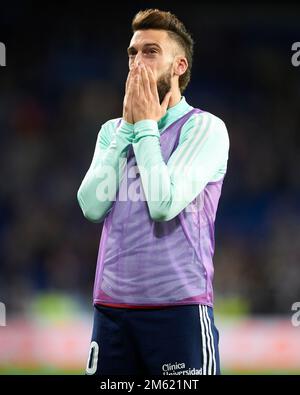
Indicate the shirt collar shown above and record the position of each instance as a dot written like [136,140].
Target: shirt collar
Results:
[174,112]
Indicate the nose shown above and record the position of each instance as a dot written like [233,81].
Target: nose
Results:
[137,59]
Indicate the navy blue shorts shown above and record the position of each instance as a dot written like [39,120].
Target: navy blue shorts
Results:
[172,340]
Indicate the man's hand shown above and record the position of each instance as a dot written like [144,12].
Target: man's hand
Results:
[144,96]
[127,103]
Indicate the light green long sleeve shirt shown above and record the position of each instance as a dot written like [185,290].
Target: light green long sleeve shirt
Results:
[201,157]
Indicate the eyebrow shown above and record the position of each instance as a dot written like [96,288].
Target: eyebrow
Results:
[132,50]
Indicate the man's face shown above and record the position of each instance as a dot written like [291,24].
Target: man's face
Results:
[157,50]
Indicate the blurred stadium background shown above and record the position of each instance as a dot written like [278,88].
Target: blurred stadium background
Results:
[65,74]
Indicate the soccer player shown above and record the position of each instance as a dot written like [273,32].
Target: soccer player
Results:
[155,180]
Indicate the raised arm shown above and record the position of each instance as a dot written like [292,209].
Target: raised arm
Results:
[101,182]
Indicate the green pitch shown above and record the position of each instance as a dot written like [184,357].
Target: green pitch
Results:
[54,371]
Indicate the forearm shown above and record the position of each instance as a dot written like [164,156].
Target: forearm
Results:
[170,187]
[155,174]
[156,180]
[100,184]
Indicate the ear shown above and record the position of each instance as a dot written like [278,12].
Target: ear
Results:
[180,65]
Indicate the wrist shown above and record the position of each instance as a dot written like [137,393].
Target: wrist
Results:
[126,125]
[145,127]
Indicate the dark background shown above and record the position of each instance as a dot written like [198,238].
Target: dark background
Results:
[65,74]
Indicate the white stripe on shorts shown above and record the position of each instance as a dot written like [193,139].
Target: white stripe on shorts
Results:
[208,349]
[212,341]
[204,345]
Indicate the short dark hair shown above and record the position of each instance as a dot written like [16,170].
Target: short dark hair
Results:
[157,19]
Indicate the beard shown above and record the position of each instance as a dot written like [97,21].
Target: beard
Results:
[164,84]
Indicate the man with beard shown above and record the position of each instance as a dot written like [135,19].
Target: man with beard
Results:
[155,179]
